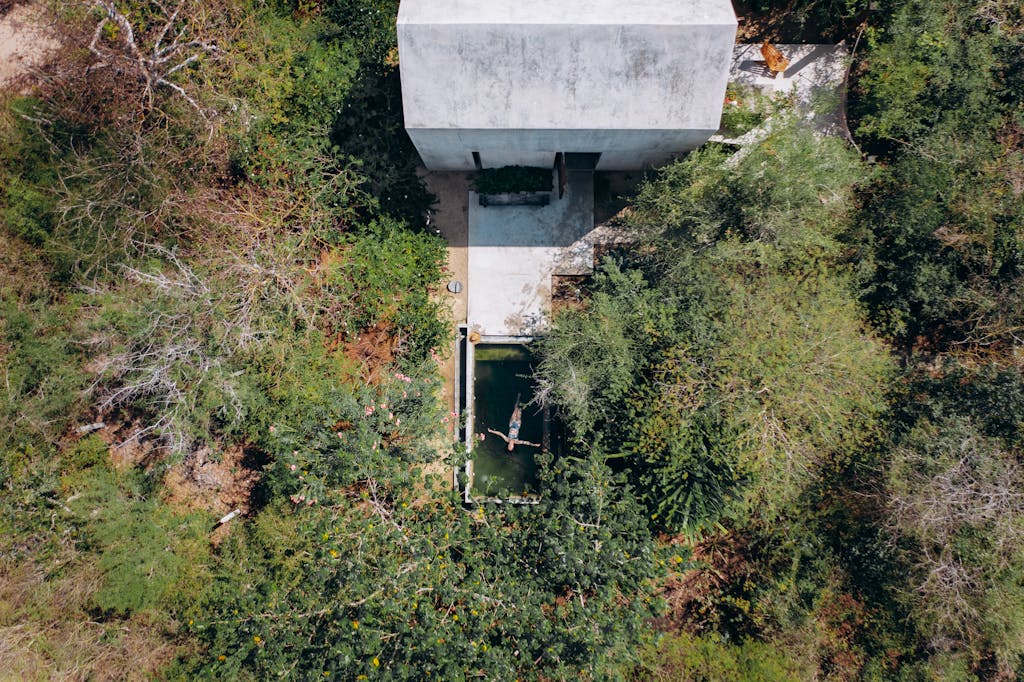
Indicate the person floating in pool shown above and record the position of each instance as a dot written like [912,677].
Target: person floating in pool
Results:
[514,424]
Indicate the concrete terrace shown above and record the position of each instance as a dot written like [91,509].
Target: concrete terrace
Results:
[514,251]
[506,256]
[815,80]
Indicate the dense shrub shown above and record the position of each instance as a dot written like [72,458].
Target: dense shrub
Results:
[374,580]
[941,228]
[705,659]
[957,510]
[513,179]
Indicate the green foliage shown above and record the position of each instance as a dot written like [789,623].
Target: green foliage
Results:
[682,455]
[26,170]
[370,580]
[803,383]
[916,76]
[793,191]
[733,356]
[992,397]
[806,21]
[41,369]
[746,108]
[592,358]
[684,656]
[333,124]
[370,24]
[387,276]
[30,525]
[368,429]
[370,130]
[298,83]
[943,226]
[513,179]
[150,556]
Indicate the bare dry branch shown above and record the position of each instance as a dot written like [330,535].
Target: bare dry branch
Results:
[152,64]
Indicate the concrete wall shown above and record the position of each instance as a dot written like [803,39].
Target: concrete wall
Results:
[581,78]
[447,149]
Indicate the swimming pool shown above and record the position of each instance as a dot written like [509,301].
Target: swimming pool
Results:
[501,372]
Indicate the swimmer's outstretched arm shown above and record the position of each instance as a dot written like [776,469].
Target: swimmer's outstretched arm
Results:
[499,434]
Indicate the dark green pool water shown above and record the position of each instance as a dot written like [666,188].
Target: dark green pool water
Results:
[500,372]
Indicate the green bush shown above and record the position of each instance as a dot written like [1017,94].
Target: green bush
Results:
[41,368]
[693,658]
[27,174]
[386,277]
[513,179]
[940,231]
[149,556]
[373,580]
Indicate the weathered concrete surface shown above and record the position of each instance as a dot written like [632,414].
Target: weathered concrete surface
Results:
[514,251]
[815,80]
[519,81]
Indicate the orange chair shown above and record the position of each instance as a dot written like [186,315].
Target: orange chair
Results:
[773,58]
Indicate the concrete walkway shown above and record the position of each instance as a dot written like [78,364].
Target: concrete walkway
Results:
[815,80]
[515,250]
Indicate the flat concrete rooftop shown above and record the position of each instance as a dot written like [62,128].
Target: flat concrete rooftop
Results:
[614,12]
[518,81]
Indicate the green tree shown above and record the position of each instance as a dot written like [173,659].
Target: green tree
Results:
[957,511]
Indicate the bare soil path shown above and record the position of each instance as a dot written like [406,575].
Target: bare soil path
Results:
[26,39]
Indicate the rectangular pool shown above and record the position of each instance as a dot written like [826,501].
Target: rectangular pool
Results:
[501,372]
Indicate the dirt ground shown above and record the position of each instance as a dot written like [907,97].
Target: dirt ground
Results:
[25,40]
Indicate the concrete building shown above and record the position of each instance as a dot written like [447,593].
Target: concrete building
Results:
[620,84]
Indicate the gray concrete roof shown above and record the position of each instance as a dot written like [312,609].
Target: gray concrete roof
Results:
[610,12]
[602,75]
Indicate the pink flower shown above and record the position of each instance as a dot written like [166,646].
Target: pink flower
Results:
[383,406]
[271,429]
[397,422]
[391,415]
[482,436]
[368,410]
[404,394]
[293,467]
